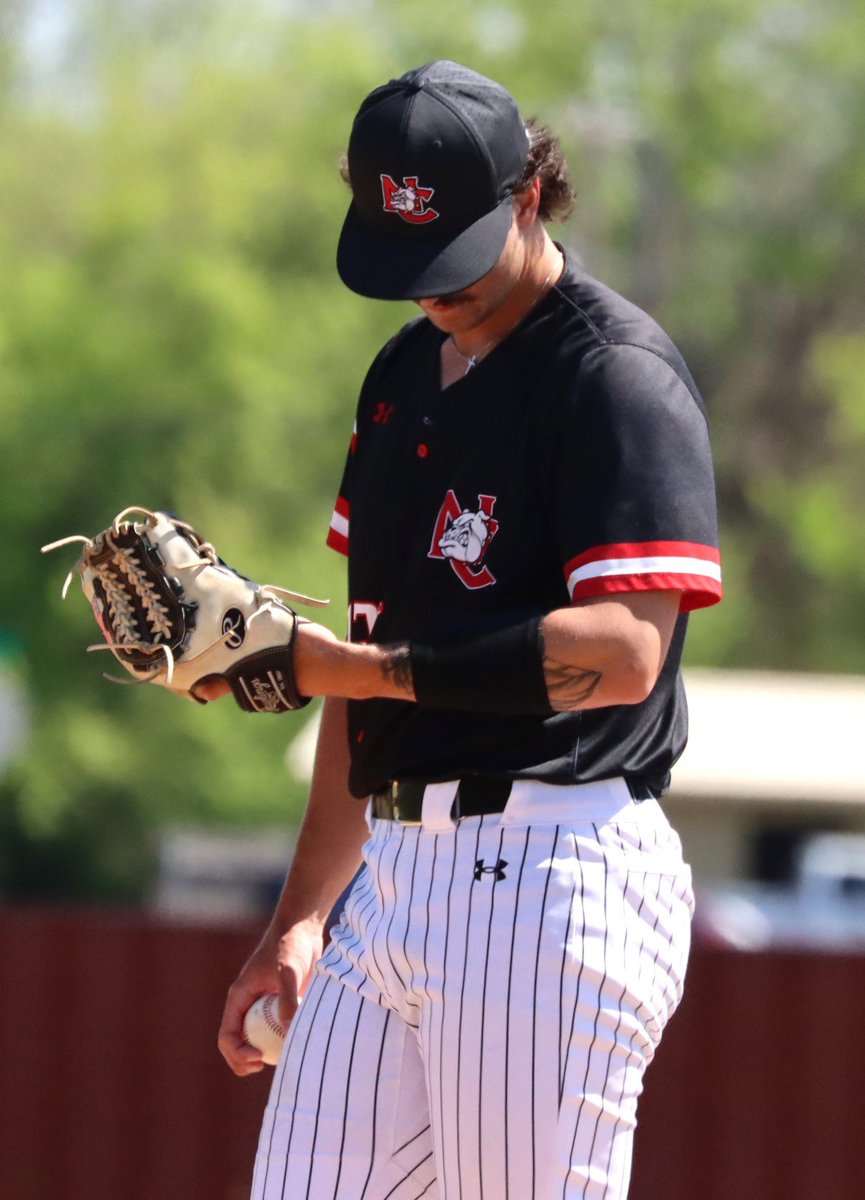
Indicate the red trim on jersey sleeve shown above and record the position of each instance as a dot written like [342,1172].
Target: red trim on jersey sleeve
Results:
[337,536]
[687,567]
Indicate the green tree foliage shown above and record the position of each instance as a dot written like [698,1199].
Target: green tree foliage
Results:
[173,333]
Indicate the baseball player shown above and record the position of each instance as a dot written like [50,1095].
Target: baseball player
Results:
[528,514]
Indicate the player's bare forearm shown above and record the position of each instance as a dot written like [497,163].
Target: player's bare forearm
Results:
[333,831]
[327,856]
[325,666]
[604,651]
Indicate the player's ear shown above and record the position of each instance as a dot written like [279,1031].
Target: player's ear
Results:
[526,204]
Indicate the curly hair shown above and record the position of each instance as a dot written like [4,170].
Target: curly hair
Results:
[545,162]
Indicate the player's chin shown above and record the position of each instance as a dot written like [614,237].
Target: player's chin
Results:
[445,310]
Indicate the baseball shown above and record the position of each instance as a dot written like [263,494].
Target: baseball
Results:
[263,1029]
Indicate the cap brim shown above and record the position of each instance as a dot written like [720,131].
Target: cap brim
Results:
[391,267]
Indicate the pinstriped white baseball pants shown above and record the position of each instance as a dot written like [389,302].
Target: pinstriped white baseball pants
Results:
[479,1026]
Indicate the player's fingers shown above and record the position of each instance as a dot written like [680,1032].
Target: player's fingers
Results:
[240,1056]
[233,1046]
[244,1060]
[251,1069]
[236,1004]
[211,688]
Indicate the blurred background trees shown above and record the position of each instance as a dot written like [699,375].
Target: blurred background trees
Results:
[173,333]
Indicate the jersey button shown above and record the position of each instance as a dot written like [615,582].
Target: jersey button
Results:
[422,450]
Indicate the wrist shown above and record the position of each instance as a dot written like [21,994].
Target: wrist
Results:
[325,666]
[285,928]
[318,660]
[308,929]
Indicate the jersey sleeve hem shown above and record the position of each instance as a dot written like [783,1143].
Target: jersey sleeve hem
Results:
[690,568]
[337,535]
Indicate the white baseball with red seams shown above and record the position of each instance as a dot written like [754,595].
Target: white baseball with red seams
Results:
[263,1029]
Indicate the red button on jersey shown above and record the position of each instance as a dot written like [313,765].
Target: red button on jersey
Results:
[422,450]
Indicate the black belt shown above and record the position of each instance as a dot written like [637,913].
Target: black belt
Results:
[402,799]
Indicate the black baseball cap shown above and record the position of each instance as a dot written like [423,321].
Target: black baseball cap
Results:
[433,159]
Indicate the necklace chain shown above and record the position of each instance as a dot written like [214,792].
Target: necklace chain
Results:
[472,360]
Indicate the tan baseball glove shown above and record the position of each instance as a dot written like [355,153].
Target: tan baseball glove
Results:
[173,613]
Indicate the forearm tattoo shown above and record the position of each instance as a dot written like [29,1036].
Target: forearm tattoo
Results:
[569,687]
[396,667]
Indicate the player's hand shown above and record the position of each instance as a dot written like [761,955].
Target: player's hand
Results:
[282,966]
[259,976]
[214,689]
[299,951]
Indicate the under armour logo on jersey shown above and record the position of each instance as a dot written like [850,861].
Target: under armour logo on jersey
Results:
[463,537]
[498,870]
[409,201]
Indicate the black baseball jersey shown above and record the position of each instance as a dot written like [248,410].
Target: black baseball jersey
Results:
[572,461]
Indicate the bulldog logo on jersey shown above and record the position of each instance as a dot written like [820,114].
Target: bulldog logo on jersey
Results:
[463,537]
[409,201]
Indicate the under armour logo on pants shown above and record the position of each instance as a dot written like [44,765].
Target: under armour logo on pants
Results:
[498,870]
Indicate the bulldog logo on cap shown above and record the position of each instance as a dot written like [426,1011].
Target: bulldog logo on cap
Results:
[409,201]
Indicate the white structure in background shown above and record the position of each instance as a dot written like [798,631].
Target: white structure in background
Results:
[14,717]
[766,750]
[822,907]
[217,875]
[775,756]
[775,736]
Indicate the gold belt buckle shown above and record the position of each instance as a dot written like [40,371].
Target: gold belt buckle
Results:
[397,807]
[386,806]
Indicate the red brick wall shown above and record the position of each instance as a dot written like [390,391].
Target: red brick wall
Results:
[111,1087]
[757,1090]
